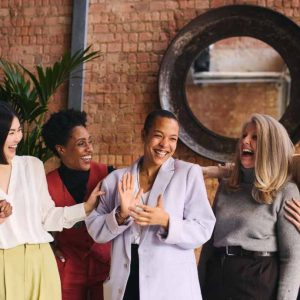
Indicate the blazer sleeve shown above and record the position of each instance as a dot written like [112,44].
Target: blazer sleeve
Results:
[101,223]
[289,250]
[198,221]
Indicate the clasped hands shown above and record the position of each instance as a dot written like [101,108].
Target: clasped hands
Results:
[130,205]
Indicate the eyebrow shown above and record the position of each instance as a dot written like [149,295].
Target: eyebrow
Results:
[156,130]
[84,139]
[12,129]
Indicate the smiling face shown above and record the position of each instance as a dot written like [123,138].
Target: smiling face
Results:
[160,141]
[77,153]
[248,144]
[13,139]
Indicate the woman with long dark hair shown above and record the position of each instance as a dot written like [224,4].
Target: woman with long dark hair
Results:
[27,265]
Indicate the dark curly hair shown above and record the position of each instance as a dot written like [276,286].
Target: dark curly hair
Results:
[57,130]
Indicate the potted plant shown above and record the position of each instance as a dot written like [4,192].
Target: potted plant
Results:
[29,95]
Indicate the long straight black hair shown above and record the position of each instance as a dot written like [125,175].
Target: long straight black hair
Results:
[7,115]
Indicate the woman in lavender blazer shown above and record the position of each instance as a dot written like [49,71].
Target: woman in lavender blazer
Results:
[155,212]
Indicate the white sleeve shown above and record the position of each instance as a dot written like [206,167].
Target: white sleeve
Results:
[56,218]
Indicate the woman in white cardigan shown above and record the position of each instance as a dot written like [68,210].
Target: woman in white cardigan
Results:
[155,212]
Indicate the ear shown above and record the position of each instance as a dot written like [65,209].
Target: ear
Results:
[60,149]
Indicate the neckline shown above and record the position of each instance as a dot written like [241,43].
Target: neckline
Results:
[11,179]
[248,175]
[145,195]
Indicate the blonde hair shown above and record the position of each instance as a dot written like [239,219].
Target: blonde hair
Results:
[273,161]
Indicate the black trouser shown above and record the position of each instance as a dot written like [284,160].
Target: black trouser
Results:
[241,278]
[132,291]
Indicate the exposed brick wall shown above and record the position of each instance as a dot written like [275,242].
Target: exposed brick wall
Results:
[121,85]
[36,32]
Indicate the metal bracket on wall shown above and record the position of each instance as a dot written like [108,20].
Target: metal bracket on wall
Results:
[79,33]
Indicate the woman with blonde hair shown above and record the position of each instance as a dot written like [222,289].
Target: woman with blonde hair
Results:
[255,251]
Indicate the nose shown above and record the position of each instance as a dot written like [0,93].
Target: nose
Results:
[18,137]
[90,147]
[163,142]
[247,140]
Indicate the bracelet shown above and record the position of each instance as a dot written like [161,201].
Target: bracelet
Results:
[118,215]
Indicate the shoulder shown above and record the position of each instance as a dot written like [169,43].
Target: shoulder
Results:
[290,189]
[29,161]
[287,192]
[115,175]
[181,165]
[102,169]
[52,174]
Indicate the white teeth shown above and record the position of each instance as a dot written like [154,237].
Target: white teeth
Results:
[14,146]
[160,153]
[87,157]
[248,151]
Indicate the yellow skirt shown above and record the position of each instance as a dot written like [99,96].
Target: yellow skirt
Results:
[29,272]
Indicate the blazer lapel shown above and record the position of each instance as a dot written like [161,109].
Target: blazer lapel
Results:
[161,182]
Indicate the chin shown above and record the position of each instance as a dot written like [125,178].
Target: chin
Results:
[247,165]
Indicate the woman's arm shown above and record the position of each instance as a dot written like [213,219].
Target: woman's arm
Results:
[111,218]
[195,227]
[56,218]
[289,250]
[219,171]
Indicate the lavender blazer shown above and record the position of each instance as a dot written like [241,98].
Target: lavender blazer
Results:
[167,263]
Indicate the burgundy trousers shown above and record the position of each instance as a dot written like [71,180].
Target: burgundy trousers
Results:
[80,279]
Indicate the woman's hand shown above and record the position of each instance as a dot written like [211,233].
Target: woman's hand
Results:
[5,209]
[127,197]
[292,208]
[59,255]
[145,215]
[93,199]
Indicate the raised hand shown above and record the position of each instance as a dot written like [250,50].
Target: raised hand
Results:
[93,199]
[127,197]
[145,215]
[292,208]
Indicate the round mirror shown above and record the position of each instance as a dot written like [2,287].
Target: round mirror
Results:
[247,25]
[234,78]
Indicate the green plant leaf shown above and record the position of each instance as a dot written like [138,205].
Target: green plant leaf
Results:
[29,94]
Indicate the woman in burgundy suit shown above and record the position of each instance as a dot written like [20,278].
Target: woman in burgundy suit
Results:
[83,264]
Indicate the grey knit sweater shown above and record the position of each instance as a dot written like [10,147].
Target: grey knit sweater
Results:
[241,221]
